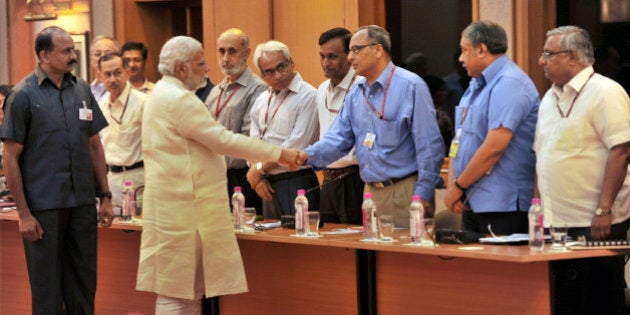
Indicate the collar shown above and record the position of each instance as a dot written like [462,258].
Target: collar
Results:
[122,96]
[382,78]
[41,76]
[175,81]
[576,83]
[346,81]
[243,79]
[491,71]
[296,83]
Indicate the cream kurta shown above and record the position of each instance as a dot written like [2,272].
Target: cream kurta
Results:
[185,186]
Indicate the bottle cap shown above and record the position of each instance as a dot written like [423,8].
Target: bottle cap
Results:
[237,188]
[415,198]
[127,183]
[300,192]
[536,201]
[368,195]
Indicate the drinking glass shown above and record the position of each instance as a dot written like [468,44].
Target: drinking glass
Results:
[558,237]
[386,227]
[313,224]
[249,217]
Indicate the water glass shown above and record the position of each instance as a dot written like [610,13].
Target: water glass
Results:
[558,237]
[427,238]
[248,218]
[386,227]
[313,224]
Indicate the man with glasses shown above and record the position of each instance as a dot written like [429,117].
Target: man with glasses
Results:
[342,189]
[135,56]
[582,148]
[390,118]
[122,138]
[284,115]
[100,46]
[231,101]
[491,179]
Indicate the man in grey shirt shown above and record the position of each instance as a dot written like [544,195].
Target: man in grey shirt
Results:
[231,100]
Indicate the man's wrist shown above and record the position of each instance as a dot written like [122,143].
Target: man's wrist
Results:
[106,194]
[458,185]
[601,212]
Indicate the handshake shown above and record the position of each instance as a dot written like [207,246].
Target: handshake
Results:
[291,158]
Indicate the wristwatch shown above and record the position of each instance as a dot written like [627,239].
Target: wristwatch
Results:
[106,194]
[600,212]
[259,167]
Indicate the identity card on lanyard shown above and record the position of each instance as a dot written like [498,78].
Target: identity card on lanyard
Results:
[85,113]
[452,153]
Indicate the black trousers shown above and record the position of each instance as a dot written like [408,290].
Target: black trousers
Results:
[286,186]
[340,200]
[62,265]
[503,223]
[238,177]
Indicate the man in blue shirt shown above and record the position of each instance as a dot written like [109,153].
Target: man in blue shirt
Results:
[492,169]
[390,117]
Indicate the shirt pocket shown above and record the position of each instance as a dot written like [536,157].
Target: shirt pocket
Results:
[568,135]
[284,122]
[390,133]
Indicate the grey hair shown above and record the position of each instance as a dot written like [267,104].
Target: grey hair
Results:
[238,33]
[378,35]
[488,33]
[100,38]
[270,46]
[575,39]
[179,49]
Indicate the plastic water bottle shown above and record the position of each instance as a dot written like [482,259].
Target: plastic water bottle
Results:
[416,222]
[238,204]
[301,214]
[127,202]
[536,227]
[370,227]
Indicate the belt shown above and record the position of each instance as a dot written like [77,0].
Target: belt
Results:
[120,169]
[287,175]
[391,181]
[332,173]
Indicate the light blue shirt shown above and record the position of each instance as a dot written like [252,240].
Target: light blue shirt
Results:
[407,139]
[502,96]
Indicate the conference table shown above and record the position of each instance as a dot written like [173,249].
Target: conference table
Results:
[335,274]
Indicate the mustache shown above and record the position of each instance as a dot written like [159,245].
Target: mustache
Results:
[71,62]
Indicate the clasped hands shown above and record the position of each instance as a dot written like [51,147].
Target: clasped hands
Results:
[291,158]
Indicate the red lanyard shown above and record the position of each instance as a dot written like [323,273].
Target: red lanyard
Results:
[332,110]
[119,121]
[267,120]
[220,107]
[575,98]
[380,114]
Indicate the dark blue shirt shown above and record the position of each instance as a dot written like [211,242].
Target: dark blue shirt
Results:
[55,162]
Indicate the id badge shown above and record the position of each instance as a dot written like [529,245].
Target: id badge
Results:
[369,140]
[452,153]
[85,114]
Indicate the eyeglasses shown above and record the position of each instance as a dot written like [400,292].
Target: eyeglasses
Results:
[549,54]
[356,49]
[279,68]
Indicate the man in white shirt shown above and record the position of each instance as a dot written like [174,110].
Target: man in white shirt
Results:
[284,115]
[100,46]
[122,138]
[135,55]
[342,190]
[582,148]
